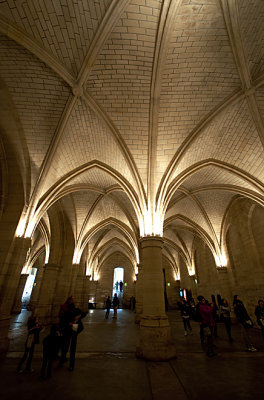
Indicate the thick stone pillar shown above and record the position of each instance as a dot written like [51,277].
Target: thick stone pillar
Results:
[223,278]
[36,289]
[74,273]
[79,292]
[44,308]
[193,280]
[13,267]
[139,293]
[155,336]
[17,303]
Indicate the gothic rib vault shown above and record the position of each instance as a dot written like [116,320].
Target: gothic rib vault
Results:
[127,118]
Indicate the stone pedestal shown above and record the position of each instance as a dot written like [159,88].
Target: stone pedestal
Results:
[44,308]
[155,336]
[17,303]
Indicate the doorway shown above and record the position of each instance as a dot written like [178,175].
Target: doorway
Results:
[118,282]
[28,287]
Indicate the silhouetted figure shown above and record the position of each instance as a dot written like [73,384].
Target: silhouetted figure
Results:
[245,322]
[115,305]
[51,344]
[121,286]
[116,285]
[186,315]
[70,325]
[226,318]
[34,329]
[107,306]
[206,325]
[259,312]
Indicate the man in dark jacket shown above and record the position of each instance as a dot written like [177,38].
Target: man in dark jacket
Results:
[245,322]
[259,312]
[50,351]
[115,305]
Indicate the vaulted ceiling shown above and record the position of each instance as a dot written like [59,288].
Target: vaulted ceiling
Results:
[125,110]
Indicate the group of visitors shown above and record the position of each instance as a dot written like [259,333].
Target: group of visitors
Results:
[119,285]
[208,314]
[61,339]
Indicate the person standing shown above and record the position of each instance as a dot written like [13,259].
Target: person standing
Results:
[65,317]
[226,318]
[259,312]
[115,305]
[186,315]
[34,329]
[107,306]
[77,327]
[50,351]
[70,325]
[244,321]
[206,326]
[121,286]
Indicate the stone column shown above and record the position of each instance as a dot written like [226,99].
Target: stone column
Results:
[155,336]
[13,267]
[36,289]
[79,291]
[139,294]
[74,273]
[193,280]
[225,284]
[44,309]
[17,303]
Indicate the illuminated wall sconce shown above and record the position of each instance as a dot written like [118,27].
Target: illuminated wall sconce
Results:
[168,284]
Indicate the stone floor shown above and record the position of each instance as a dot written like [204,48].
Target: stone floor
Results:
[106,366]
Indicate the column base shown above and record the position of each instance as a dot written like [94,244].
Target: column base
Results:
[155,339]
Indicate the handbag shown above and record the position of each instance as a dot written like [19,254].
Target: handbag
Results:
[248,324]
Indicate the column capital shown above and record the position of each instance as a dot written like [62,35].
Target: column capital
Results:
[221,269]
[151,241]
[51,266]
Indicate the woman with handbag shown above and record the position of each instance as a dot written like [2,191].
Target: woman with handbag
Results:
[34,329]
[245,322]
[226,318]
